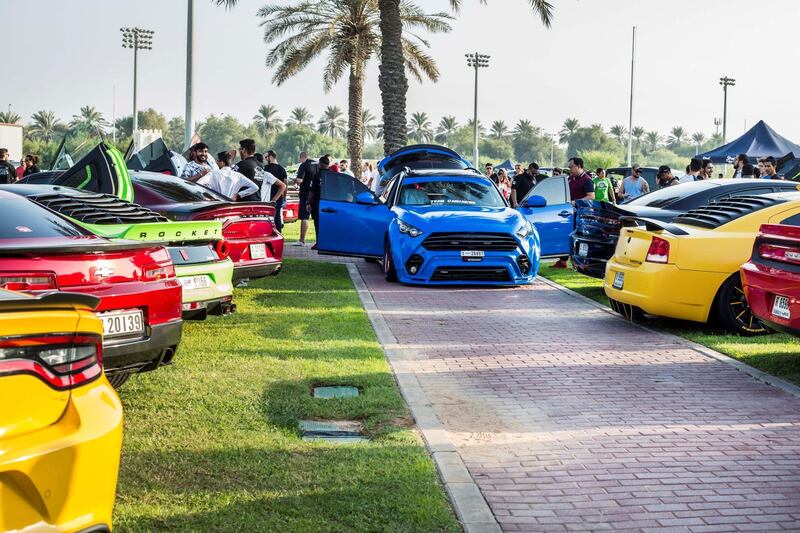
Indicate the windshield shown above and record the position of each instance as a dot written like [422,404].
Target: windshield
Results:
[456,193]
[666,196]
[31,221]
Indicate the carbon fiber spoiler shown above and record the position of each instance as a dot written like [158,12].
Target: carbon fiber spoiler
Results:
[14,301]
[652,225]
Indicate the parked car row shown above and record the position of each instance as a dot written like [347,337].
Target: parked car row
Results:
[95,288]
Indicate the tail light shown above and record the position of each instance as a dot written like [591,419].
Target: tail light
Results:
[28,281]
[785,254]
[63,361]
[659,251]
[223,249]
[156,272]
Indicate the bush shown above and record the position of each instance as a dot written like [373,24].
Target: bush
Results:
[594,159]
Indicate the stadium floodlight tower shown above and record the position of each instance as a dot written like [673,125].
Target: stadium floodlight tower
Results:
[137,39]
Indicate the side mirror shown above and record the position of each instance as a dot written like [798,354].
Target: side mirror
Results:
[366,198]
[535,201]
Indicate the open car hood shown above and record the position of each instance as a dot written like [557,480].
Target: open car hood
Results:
[422,156]
[155,157]
[102,170]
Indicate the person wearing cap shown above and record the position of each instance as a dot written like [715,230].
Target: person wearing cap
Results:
[603,189]
[634,185]
[665,177]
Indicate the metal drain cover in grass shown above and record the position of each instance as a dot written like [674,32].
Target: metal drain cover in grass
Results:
[333,431]
[327,393]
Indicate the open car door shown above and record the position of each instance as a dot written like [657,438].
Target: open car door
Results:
[554,221]
[102,170]
[353,220]
[155,157]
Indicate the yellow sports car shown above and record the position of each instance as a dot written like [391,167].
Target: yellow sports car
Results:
[60,420]
[689,268]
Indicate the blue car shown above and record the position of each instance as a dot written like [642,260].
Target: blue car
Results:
[431,227]
[548,208]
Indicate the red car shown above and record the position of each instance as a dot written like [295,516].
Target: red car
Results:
[140,298]
[771,278]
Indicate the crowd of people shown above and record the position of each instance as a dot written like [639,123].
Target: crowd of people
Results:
[9,174]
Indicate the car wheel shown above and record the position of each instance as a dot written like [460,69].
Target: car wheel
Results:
[118,379]
[389,271]
[734,312]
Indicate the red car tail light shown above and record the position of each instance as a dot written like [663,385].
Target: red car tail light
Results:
[659,251]
[63,361]
[774,252]
[157,272]
[223,249]
[28,281]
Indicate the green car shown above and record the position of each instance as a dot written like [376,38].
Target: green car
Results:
[197,249]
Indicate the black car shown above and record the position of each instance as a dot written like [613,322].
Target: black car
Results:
[597,224]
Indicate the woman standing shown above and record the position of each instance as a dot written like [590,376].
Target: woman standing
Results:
[366,174]
[32,164]
[503,183]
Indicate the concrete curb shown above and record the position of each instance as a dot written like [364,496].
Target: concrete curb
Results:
[470,506]
[756,374]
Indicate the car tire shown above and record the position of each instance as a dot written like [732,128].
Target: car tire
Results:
[733,311]
[118,379]
[389,272]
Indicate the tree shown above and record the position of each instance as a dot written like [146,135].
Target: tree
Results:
[348,31]
[295,139]
[652,140]
[481,129]
[593,159]
[419,128]
[332,122]
[525,128]
[698,139]
[300,117]
[149,119]
[592,138]
[499,129]
[446,129]
[569,128]
[9,117]
[45,126]
[637,133]
[174,134]
[370,129]
[221,132]
[267,120]
[619,132]
[676,136]
[90,121]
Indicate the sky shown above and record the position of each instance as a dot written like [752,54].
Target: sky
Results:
[69,54]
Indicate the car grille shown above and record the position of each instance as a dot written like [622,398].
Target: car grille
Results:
[500,242]
[471,274]
[98,208]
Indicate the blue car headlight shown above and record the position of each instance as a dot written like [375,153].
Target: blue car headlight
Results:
[525,230]
[408,229]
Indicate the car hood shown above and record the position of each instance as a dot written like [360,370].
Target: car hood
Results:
[449,218]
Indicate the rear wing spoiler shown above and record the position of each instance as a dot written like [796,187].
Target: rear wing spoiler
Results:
[161,232]
[15,301]
[652,225]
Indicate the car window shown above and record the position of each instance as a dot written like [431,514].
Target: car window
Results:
[668,195]
[455,193]
[793,220]
[338,187]
[179,190]
[552,189]
[32,221]
[387,192]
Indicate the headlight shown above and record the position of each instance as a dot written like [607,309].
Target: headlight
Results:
[525,230]
[408,229]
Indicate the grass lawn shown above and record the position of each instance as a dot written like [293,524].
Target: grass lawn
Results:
[777,354]
[211,442]
[291,232]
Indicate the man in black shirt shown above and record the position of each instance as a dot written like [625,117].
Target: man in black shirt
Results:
[490,173]
[522,184]
[8,174]
[315,190]
[306,173]
[279,172]
[249,166]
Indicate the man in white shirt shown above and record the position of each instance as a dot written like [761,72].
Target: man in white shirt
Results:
[268,180]
[227,181]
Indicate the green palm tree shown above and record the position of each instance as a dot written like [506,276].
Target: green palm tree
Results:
[676,136]
[446,129]
[525,128]
[481,129]
[45,126]
[91,121]
[569,128]
[653,139]
[332,123]
[498,129]
[419,128]
[698,139]
[300,116]
[637,133]
[369,128]
[9,117]
[619,132]
[348,31]
[267,120]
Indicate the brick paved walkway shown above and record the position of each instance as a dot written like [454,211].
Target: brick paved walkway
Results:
[568,418]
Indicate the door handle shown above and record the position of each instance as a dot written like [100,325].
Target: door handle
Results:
[328,210]
[565,213]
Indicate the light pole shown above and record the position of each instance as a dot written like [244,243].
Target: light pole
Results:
[630,110]
[188,129]
[726,82]
[138,39]
[476,61]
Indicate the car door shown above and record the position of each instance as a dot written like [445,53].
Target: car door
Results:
[554,221]
[102,170]
[352,220]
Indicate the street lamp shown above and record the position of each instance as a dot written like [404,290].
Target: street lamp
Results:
[726,82]
[138,39]
[476,61]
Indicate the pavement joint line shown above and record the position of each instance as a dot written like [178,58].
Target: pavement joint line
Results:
[754,373]
[471,508]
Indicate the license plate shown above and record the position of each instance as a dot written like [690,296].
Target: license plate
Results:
[122,323]
[289,213]
[195,282]
[780,307]
[472,255]
[583,249]
[258,251]
[619,280]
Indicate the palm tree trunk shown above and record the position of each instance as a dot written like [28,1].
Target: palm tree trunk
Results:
[355,130]
[392,80]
